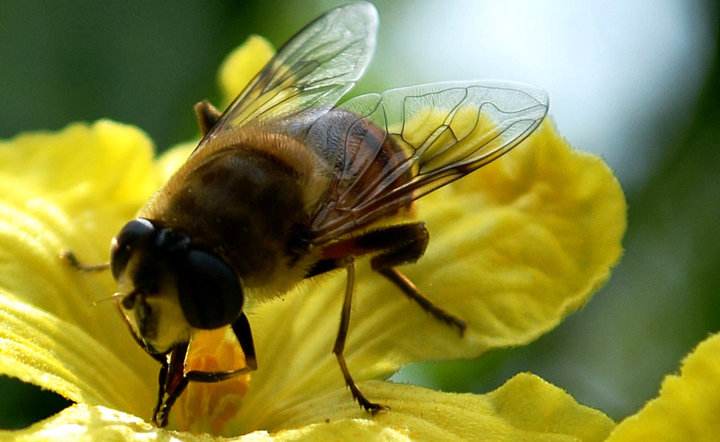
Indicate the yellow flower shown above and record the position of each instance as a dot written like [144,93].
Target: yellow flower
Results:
[688,407]
[515,247]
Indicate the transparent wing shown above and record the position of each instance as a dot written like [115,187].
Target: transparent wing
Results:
[402,144]
[310,72]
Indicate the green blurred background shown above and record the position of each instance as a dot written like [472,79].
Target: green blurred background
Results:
[636,82]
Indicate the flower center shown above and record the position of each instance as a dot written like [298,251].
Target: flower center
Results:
[207,407]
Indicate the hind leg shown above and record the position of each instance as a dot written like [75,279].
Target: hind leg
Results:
[397,245]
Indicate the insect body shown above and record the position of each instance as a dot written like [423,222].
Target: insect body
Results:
[285,184]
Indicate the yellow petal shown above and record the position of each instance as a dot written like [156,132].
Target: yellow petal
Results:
[83,163]
[71,189]
[525,408]
[688,405]
[84,422]
[522,242]
[208,407]
[514,248]
[242,65]
[41,349]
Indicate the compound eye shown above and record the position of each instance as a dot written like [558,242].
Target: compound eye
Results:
[209,290]
[136,231]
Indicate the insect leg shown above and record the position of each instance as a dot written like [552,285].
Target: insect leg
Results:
[160,357]
[69,257]
[243,333]
[173,379]
[241,328]
[399,244]
[339,346]
[161,421]
[207,115]
[172,383]
[409,289]
[326,265]
[407,243]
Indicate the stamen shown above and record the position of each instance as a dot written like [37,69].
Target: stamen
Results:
[209,407]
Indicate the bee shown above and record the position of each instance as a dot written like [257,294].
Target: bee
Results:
[287,184]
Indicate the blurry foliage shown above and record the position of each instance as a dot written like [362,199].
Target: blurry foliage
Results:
[145,63]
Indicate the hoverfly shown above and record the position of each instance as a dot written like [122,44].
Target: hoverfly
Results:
[286,185]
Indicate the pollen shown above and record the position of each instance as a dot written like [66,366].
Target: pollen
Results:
[207,407]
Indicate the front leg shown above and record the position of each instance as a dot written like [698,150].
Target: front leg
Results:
[241,328]
[171,383]
[173,379]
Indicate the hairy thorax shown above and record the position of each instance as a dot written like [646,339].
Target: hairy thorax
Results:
[248,198]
